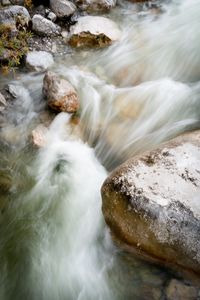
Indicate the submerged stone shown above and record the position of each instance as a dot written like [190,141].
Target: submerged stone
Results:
[151,202]
[60,94]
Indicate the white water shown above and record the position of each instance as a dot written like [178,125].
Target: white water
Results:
[134,95]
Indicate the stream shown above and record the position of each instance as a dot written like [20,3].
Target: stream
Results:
[135,94]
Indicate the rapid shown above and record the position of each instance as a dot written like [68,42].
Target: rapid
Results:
[139,92]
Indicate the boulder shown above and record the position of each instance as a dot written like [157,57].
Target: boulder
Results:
[62,8]
[151,202]
[93,31]
[14,15]
[95,5]
[44,27]
[39,60]
[60,94]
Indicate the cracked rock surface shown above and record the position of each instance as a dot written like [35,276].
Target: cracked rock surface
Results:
[151,202]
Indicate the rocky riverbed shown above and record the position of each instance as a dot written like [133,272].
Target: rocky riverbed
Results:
[85,87]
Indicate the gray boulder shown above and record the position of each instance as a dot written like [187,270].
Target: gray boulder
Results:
[93,31]
[151,202]
[39,60]
[14,14]
[60,94]
[62,8]
[44,27]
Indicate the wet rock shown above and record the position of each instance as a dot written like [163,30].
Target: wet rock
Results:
[177,290]
[44,27]
[14,15]
[2,102]
[39,138]
[60,94]
[151,202]
[39,60]
[93,31]
[94,5]
[62,8]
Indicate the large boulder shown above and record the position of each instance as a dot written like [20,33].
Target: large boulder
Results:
[44,27]
[151,202]
[60,94]
[95,5]
[93,31]
[62,8]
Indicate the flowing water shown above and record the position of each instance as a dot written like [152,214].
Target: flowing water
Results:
[143,90]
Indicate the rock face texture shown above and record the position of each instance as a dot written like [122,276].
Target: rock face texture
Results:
[93,31]
[62,8]
[60,94]
[152,202]
[44,27]
[2,102]
[95,5]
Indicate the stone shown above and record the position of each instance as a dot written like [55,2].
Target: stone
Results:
[5,2]
[2,102]
[151,202]
[93,31]
[14,15]
[39,60]
[44,27]
[95,5]
[39,137]
[62,8]
[178,290]
[60,94]
[51,16]
[17,2]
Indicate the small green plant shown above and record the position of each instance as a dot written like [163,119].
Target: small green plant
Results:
[13,46]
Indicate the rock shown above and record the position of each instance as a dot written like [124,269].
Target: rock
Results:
[95,5]
[93,31]
[44,27]
[51,16]
[15,15]
[39,60]
[5,2]
[62,8]
[151,202]
[39,138]
[2,102]
[17,2]
[60,94]
[177,290]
